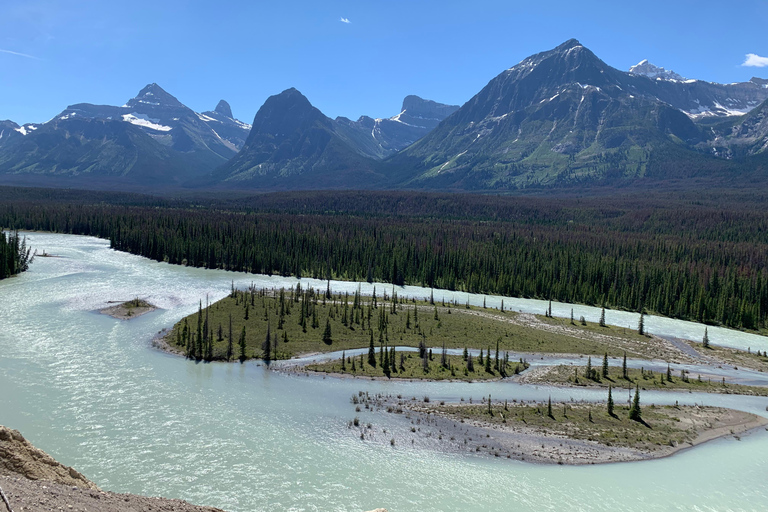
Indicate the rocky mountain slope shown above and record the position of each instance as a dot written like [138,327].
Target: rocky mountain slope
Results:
[152,140]
[293,145]
[380,138]
[565,117]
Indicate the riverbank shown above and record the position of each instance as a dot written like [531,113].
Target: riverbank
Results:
[574,434]
[129,309]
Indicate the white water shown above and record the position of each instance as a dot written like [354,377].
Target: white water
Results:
[88,389]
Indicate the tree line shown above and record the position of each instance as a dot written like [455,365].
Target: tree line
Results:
[681,260]
[15,256]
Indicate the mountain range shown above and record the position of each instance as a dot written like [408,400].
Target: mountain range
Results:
[560,117]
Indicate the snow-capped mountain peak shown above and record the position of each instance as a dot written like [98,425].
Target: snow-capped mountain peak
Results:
[645,68]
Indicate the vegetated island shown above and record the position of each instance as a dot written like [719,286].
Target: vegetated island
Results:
[130,309]
[558,433]
[629,378]
[33,481]
[274,324]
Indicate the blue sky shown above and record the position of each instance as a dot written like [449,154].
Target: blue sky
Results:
[57,52]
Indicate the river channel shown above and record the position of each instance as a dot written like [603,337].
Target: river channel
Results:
[91,391]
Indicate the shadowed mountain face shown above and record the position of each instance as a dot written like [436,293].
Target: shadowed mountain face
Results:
[293,145]
[153,139]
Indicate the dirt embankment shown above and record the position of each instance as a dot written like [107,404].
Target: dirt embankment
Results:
[33,481]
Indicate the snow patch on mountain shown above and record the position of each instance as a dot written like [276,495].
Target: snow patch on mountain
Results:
[145,122]
[645,68]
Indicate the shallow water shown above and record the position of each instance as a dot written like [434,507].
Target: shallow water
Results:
[89,390]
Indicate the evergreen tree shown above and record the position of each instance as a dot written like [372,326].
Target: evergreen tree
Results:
[624,368]
[343,361]
[266,347]
[705,340]
[669,373]
[465,354]
[634,411]
[470,364]
[327,338]
[610,401]
[371,353]
[385,362]
[488,361]
[602,317]
[572,317]
[605,366]
[641,324]
[480,357]
[496,360]
[549,408]
[588,372]
[242,345]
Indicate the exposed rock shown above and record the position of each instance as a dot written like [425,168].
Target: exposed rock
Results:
[19,458]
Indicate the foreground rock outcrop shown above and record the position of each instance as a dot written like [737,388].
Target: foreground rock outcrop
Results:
[33,481]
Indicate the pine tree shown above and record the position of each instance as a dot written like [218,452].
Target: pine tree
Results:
[230,341]
[605,366]
[470,364]
[610,401]
[496,364]
[371,353]
[385,362]
[602,317]
[327,338]
[266,347]
[634,411]
[588,373]
[669,373]
[465,354]
[705,340]
[641,324]
[343,361]
[480,357]
[572,317]
[624,368]
[242,345]
[488,361]
[549,408]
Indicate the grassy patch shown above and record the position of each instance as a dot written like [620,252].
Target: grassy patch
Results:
[646,379]
[662,426]
[299,318]
[410,366]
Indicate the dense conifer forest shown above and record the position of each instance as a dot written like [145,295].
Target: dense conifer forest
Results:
[14,255]
[698,256]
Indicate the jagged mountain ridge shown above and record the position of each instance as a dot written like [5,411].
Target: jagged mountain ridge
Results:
[380,138]
[152,140]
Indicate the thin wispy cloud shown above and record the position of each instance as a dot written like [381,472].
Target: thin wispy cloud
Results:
[755,61]
[345,20]
[19,54]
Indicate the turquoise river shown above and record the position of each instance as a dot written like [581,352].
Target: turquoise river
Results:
[91,391]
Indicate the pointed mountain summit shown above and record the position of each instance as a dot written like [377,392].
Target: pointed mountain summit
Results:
[224,109]
[293,145]
[156,96]
[645,68]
